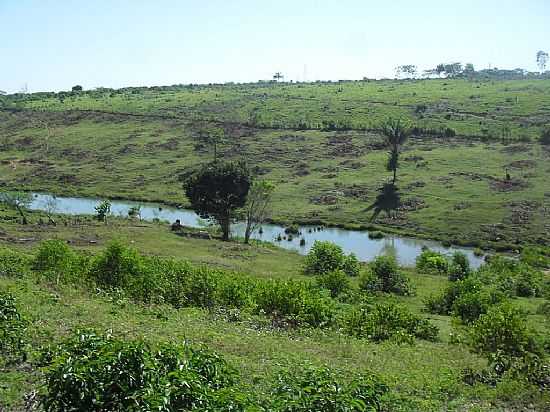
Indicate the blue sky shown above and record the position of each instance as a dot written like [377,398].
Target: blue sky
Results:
[55,44]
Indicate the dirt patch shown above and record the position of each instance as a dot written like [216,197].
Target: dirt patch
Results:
[508,185]
[515,148]
[342,145]
[330,198]
[412,204]
[522,212]
[521,164]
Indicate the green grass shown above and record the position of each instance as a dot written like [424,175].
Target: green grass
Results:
[456,183]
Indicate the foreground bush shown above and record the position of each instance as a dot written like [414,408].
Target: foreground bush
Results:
[325,257]
[387,321]
[310,389]
[100,373]
[384,276]
[57,262]
[13,328]
[459,268]
[432,262]
[336,282]
[13,264]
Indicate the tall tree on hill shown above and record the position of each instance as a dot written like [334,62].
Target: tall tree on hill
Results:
[395,133]
[217,191]
[542,59]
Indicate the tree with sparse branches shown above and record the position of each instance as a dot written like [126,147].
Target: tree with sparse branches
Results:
[396,132]
[278,76]
[542,59]
[17,200]
[258,206]
[217,191]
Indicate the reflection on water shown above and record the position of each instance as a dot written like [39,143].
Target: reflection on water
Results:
[404,249]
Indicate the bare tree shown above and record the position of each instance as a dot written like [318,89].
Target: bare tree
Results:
[278,76]
[258,206]
[50,208]
[542,59]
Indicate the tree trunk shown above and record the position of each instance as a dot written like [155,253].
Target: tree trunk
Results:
[225,229]
[23,217]
[394,175]
[247,233]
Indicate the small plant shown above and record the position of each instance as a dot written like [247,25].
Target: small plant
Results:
[57,262]
[13,329]
[308,389]
[116,266]
[376,235]
[460,267]
[13,264]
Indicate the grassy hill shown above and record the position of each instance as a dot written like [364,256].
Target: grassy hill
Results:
[319,143]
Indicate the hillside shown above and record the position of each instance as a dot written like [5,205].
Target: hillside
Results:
[318,142]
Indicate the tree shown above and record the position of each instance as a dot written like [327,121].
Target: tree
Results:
[103,210]
[396,133]
[278,76]
[469,68]
[213,136]
[77,88]
[542,59]
[217,191]
[410,70]
[50,207]
[19,201]
[258,206]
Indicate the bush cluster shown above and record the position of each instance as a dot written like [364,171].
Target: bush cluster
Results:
[325,257]
[385,321]
[432,262]
[57,262]
[14,264]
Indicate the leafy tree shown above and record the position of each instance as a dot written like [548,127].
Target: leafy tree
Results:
[103,210]
[17,200]
[77,88]
[409,70]
[258,206]
[542,59]
[217,191]
[396,133]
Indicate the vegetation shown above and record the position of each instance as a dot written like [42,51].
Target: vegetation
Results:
[326,257]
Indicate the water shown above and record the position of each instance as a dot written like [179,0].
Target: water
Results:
[404,249]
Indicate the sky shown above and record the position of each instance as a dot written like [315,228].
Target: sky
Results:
[52,45]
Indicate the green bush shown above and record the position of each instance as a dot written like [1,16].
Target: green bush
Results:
[336,282]
[432,262]
[314,389]
[294,302]
[538,257]
[58,263]
[460,267]
[385,321]
[13,263]
[384,276]
[327,257]
[100,373]
[13,330]
[117,266]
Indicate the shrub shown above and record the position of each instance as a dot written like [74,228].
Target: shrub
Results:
[13,264]
[460,267]
[13,328]
[545,137]
[308,389]
[57,262]
[385,277]
[376,235]
[538,257]
[503,330]
[325,257]
[387,321]
[336,282]
[100,373]
[432,262]
[294,302]
[117,266]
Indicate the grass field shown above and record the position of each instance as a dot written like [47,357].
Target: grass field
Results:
[423,376]
[138,143]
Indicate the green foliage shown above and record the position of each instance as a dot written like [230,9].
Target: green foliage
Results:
[103,210]
[460,267]
[100,373]
[117,266]
[313,389]
[13,264]
[336,282]
[13,330]
[432,262]
[538,257]
[218,190]
[387,321]
[384,276]
[57,262]
[466,299]
[325,257]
